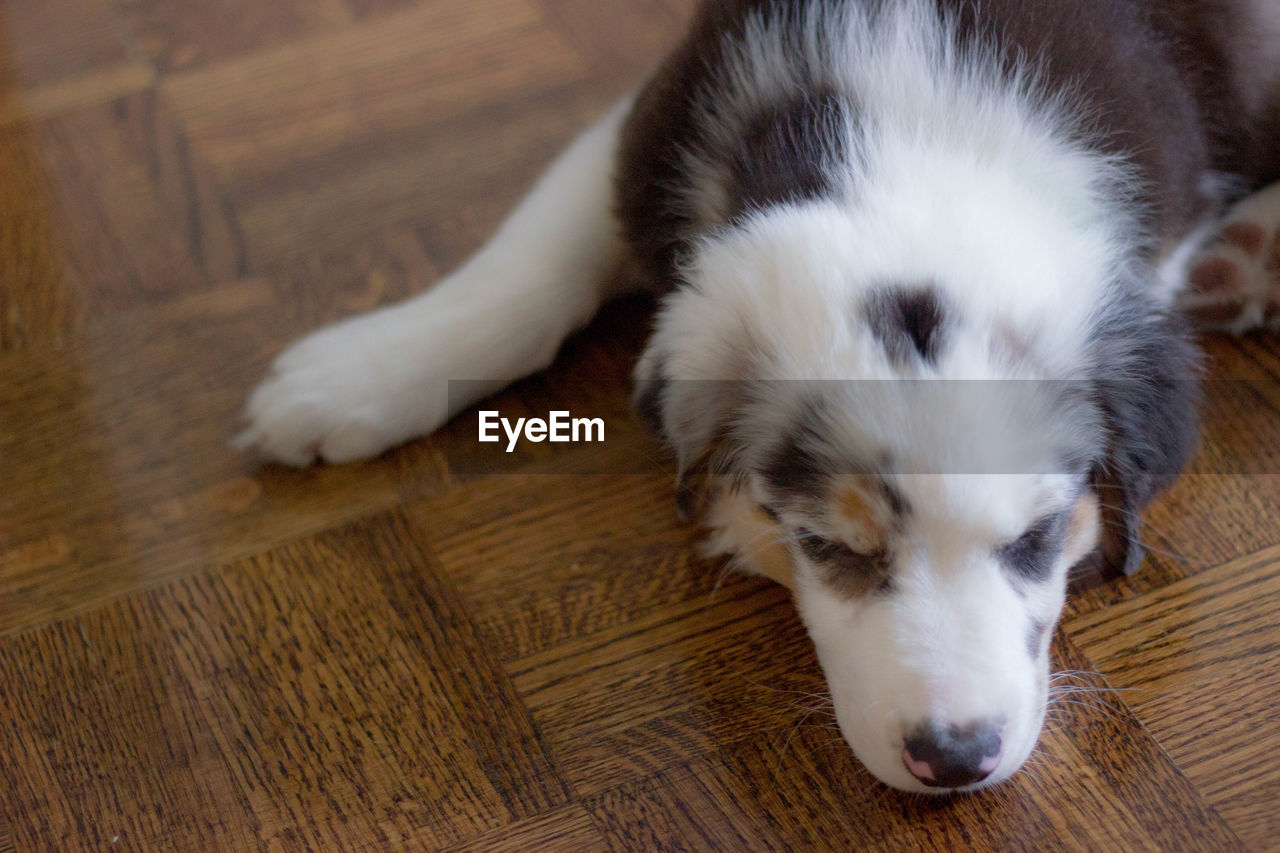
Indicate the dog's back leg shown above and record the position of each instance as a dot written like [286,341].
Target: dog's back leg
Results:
[1234,282]
[354,389]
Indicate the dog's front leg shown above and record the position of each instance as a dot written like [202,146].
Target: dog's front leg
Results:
[356,388]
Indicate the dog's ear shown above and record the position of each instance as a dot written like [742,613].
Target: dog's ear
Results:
[1148,392]
[693,416]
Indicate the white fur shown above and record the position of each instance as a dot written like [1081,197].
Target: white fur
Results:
[960,178]
[354,389]
[971,183]
[949,643]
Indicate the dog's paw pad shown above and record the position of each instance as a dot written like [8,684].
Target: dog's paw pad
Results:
[1249,237]
[1234,284]
[1216,275]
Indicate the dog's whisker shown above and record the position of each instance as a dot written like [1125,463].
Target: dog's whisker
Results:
[1093,691]
[821,694]
[725,570]
[1104,709]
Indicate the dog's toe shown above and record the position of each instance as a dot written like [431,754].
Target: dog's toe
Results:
[1234,285]
[283,428]
[344,393]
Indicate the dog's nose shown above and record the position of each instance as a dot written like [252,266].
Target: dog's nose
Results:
[950,756]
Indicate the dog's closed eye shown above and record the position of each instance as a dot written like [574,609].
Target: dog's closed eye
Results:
[822,550]
[848,571]
[1031,556]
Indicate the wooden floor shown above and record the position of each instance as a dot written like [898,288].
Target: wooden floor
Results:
[200,654]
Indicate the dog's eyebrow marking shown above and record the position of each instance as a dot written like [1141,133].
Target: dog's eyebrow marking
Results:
[908,321]
[871,506]
[1031,555]
[854,505]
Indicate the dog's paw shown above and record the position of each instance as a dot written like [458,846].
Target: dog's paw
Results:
[1234,284]
[346,392]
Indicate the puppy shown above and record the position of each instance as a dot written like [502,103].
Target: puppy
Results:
[919,351]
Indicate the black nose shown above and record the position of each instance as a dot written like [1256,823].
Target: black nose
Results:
[949,756]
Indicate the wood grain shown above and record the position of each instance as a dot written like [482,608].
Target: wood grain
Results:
[165,231]
[296,134]
[442,649]
[1202,657]
[808,793]
[323,693]
[177,36]
[58,54]
[570,828]
[39,301]
[118,472]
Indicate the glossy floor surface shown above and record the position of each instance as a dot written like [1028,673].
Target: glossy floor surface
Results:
[198,653]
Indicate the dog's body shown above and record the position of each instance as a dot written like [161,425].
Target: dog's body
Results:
[1002,198]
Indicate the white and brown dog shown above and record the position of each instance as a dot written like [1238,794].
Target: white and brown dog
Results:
[995,205]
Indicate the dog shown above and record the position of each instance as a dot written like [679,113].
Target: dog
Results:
[927,269]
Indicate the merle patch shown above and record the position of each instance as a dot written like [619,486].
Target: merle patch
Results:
[786,153]
[910,323]
[1030,557]
[795,467]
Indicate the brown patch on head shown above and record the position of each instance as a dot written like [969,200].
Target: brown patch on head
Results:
[1248,237]
[1214,275]
[851,550]
[1082,529]
[863,512]
[1273,265]
[854,506]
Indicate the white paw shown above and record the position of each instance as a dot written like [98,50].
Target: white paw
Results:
[1234,284]
[348,392]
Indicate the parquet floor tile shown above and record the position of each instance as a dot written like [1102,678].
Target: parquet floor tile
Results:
[446,648]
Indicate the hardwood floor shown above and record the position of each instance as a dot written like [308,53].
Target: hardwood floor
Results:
[197,653]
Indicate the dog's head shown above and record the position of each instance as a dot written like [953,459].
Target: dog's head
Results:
[936,456]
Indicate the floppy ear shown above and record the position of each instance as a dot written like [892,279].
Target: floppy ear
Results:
[1148,395]
[693,416]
